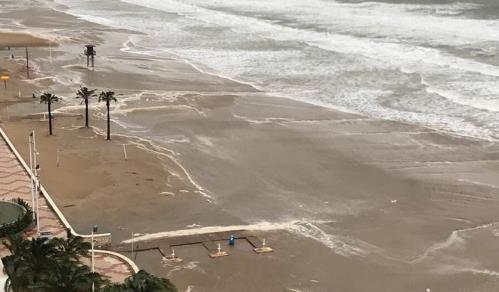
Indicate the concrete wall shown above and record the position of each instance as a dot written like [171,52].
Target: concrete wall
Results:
[3,278]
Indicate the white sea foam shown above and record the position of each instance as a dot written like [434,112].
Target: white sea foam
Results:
[302,49]
[192,265]
[127,47]
[153,108]
[454,239]
[478,183]
[481,271]
[349,44]
[451,269]
[382,53]
[340,244]
[263,121]
[152,147]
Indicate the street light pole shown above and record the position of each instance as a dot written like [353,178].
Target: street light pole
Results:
[132,244]
[37,196]
[94,230]
[31,174]
[37,183]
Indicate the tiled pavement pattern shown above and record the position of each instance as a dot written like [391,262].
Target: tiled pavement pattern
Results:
[111,267]
[15,183]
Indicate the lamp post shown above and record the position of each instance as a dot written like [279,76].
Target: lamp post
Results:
[31,174]
[37,198]
[94,230]
[133,243]
[133,236]
[36,168]
[132,239]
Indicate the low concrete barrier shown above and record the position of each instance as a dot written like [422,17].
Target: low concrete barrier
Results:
[3,278]
[102,239]
[133,267]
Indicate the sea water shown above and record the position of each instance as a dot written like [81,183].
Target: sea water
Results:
[434,63]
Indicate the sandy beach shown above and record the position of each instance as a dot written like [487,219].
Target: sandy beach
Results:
[21,40]
[348,202]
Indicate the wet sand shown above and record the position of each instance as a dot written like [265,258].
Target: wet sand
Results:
[21,40]
[367,205]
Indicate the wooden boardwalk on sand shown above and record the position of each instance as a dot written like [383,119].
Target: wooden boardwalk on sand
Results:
[208,240]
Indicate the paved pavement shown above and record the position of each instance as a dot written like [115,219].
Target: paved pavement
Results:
[15,183]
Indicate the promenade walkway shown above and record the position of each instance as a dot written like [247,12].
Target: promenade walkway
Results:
[15,183]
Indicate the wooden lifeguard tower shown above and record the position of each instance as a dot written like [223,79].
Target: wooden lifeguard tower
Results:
[90,53]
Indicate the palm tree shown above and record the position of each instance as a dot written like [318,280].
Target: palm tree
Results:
[29,265]
[85,94]
[108,96]
[115,287]
[145,282]
[14,264]
[49,98]
[15,244]
[74,278]
[44,265]
[40,259]
[72,248]
[17,273]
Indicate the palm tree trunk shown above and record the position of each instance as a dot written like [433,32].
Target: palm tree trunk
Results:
[86,113]
[108,122]
[50,117]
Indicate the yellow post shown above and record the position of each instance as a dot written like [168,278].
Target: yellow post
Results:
[5,77]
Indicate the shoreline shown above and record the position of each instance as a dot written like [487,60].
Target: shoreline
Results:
[257,89]
[39,41]
[444,127]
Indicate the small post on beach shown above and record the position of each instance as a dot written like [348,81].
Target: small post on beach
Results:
[57,157]
[27,63]
[172,258]
[5,77]
[50,52]
[124,152]
[219,253]
[264,248]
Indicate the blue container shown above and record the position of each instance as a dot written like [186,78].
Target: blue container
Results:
[232,240]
